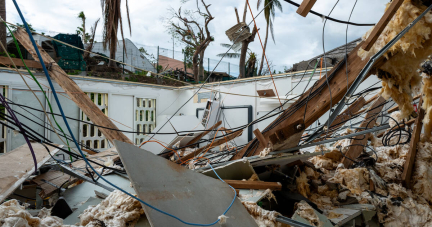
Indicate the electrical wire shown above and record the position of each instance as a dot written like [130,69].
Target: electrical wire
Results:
[328,17]
[79,149]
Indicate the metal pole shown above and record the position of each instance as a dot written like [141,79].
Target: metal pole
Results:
[123,58]
[157,62]
[173,46]
[208,66]
[229,68]
[184,56]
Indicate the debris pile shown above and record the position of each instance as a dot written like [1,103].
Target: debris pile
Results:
[400,79]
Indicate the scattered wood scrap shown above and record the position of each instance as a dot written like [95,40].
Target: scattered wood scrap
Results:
[17,165]
[196,139]
[306,7]
[100,158]
[239,184]
[54,177]
[409,163]
[216,143]
[358,143]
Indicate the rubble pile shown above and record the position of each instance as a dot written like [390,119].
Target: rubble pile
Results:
[332,185]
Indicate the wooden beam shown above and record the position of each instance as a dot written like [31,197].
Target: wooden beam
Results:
[358,143]
[211,145]
[396,108]
[73,91]
[316,105]
[260,136]
[306,7]
[409,163]
[196,139]
[372,99]
[348,113]
[239,184]
[385,19]
[18,62]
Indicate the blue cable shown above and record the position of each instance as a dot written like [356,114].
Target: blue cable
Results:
[79,149]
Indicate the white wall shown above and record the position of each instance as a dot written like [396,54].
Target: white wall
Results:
[168,99]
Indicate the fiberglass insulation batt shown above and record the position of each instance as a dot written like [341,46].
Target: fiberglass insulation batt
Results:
[400,79]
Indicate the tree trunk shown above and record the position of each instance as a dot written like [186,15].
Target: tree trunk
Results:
[84,31]
[201,66]
[113,46]
[242,63]
[265,48]
[243,53]
[2,25]
[195,67]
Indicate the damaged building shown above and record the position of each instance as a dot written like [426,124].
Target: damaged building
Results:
[342,139]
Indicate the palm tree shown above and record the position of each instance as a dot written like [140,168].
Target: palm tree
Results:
[269,14]
[2,25]
[234,48]
[82,30]
[111,9]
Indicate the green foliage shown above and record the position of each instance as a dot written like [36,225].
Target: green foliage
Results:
[188,53]
[74,72]
[150,57]
[5,55]
[14,29]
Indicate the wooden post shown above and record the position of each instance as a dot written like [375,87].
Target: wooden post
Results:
[73,91]
[409,163]
[358,143]
[260,136]
[237,15]
[305,7]
[376,32]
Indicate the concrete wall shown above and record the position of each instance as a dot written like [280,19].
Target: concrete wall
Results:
[168,100]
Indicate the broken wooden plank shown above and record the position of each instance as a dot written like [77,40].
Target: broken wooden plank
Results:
[100,158]
[266,93]
[17,165]
[409,163]
[385,19]
[306,7]
[82,100]
[211,145]
[358,143]
[260,136]
[396,108]
[240,184]
[196,139]
[372,99]
[54,177]
[18,62]
[348,113]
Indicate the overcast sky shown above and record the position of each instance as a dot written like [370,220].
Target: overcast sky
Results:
[297,38]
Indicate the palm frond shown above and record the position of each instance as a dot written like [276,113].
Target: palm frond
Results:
[278,5]
[272,31]
[229,55]
[226,45]
[258,3]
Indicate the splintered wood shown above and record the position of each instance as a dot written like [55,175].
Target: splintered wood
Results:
[16,166]
[358,143]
